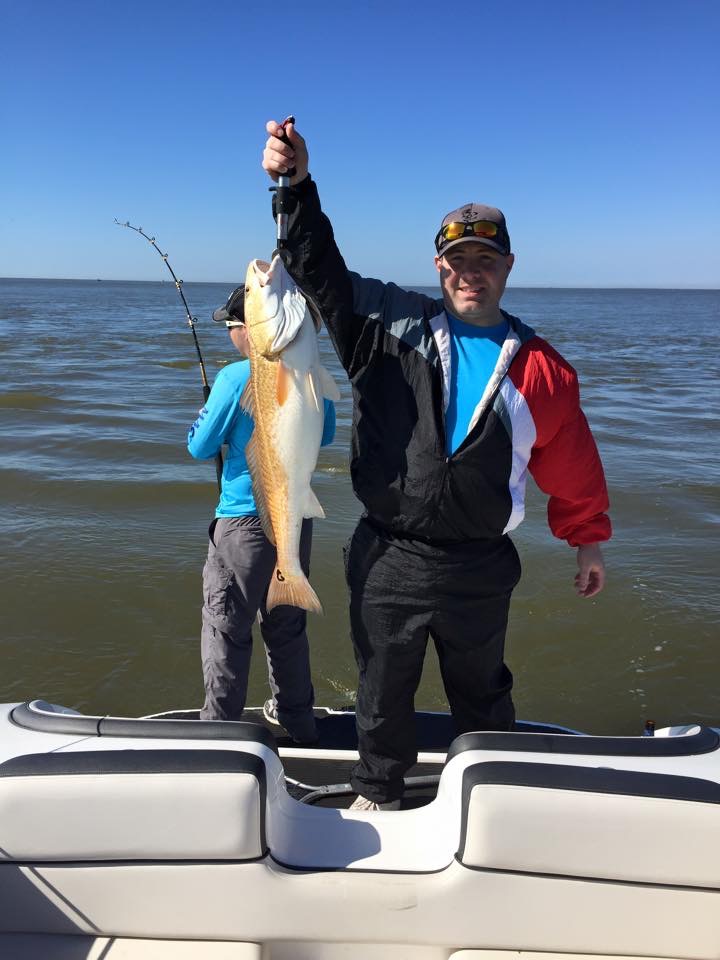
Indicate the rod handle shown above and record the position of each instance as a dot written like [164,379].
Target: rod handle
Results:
[284,137]
[218,456]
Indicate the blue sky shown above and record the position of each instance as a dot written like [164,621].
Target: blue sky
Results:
[593,125]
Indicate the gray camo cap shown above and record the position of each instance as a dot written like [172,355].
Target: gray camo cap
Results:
[490,230]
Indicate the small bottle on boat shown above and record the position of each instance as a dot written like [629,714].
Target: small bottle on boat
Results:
[649,730]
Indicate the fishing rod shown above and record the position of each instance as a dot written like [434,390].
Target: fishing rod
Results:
[191,323]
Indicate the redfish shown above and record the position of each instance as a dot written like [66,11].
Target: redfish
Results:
[284,395]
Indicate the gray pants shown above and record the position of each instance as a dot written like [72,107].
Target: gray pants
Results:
[236,576]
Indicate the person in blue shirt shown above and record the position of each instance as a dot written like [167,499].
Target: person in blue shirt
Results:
[241,560]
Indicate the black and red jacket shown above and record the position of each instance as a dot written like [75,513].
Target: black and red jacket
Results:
[394,345]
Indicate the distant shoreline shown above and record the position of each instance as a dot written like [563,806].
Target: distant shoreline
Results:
[407,286]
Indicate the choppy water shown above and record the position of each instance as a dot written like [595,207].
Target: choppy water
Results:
[104,514]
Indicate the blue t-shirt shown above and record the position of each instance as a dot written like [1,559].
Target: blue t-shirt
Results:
[474,353]
[221,421]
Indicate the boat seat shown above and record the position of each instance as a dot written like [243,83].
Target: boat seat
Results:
[182,804]
[590,822]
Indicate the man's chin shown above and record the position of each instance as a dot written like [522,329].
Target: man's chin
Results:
[471,310]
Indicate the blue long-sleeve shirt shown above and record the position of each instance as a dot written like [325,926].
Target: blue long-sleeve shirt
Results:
[221,421]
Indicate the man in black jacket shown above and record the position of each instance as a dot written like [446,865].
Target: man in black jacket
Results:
[454,402]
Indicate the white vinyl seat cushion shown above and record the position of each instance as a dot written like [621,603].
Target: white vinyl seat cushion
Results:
[591,823]
[133,805]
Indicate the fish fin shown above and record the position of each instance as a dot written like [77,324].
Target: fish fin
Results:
[314,389]
[328,386]
[262,507]
[313,507]
[282,384]
[246,399]
[293,592]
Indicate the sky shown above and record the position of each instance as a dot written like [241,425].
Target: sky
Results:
[594,126]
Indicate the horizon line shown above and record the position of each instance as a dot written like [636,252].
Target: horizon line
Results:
[530,285]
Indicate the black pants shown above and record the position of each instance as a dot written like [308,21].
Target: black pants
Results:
[401,592]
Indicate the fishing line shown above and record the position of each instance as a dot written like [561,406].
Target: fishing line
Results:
[191,323]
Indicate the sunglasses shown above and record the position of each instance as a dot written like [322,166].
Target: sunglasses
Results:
[478,228]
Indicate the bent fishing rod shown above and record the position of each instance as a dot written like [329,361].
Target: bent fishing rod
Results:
[191,323]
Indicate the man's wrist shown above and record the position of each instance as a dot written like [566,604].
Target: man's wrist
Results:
[302,185]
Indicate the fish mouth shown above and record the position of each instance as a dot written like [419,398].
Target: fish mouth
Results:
[261,269]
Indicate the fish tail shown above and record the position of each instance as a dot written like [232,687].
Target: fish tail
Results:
[312,507]
[292,591]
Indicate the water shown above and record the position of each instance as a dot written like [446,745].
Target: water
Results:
[104,515]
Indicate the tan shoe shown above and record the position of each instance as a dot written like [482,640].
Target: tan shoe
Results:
[270,712]
[362,803]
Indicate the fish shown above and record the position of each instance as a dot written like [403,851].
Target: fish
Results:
[284,395]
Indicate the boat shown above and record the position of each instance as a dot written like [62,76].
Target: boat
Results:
[166,836]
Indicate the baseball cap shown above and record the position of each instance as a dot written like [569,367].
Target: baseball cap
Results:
[233,312]
[474,223]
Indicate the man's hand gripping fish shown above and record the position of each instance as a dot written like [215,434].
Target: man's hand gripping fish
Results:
[284,395]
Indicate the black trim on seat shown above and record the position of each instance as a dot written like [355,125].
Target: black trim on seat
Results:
[131,761]
[119,762]
[554,776]
[189,730]
[704,741]
[29,719]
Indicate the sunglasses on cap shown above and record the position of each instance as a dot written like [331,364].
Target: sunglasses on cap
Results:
[456,230]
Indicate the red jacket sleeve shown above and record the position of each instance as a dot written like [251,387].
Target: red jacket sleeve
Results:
[564,461]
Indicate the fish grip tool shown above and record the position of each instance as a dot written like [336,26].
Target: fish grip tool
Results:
[284,204]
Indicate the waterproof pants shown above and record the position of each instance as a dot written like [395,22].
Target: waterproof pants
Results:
[402,592]
[236,577]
